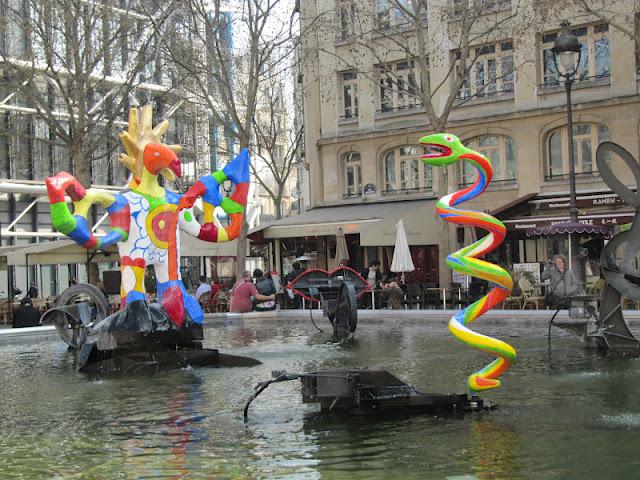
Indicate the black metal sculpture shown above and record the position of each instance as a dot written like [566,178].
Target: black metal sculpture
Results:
[370,392]
[337,292]
[137,339]
[622,276]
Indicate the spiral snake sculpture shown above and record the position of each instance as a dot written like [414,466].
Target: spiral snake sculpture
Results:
[442,150]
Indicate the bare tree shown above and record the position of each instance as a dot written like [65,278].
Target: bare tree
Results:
[224,71]
[276,144]
[74,64]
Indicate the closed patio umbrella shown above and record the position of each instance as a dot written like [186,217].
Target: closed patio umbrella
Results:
[401,255]
[342,252]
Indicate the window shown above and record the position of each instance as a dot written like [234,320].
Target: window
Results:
[41,149]
[480,7]
[346,19]
[397,13]
[405,172]
[398,87]
[352,174]
[16,35]
[349,95]
[595,56]
[586,138]
[500,150]
[494,6]
[492,73]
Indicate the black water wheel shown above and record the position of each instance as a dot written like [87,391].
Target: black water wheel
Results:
[70,328]
[346,313]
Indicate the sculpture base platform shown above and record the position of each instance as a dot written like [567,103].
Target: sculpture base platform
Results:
[358,392]
[128,361]
[605,330]
[374,392]
[140,338]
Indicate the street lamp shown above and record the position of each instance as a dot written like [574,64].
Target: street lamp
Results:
[566,58]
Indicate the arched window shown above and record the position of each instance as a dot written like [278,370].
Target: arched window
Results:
[405,172]
[501,152]
[352,174]
[586,138]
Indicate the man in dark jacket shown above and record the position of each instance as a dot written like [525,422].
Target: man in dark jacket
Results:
[26,315]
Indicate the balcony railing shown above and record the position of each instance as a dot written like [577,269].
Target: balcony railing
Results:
[407,191]
[494,182]
[401,108]
[464,97]
[582,81]
[565,176]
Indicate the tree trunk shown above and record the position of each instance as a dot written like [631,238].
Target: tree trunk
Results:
[241,251]
[278,204]
[82,171]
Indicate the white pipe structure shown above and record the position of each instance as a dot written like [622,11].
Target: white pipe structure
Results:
[40,189]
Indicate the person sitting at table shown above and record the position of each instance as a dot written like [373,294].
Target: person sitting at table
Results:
[265,287]
[392,292]
[373,277]
[203,289]
[563,282]
[244,293]
[26,315]
[372,274]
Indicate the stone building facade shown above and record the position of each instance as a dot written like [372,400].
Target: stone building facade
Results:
[361,129]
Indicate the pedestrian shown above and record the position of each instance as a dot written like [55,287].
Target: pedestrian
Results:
[33,290]
[296,271]
[563,283]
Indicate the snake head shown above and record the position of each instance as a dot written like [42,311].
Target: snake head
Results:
[442,149]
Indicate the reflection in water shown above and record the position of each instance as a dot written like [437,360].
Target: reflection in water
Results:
[159,446]
[492,450]
[574,418]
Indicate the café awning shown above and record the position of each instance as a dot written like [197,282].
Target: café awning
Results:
[374,222]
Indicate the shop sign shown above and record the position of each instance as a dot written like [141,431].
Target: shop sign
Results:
[590,201]
[369,189]
[601,219]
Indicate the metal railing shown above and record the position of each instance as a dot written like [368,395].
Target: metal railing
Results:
[406,191]
[401,108]
[553,84]
[565,176]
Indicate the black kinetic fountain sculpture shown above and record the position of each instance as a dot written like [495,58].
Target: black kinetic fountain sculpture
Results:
[617,262]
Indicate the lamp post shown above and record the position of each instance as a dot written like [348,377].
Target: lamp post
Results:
[566,58]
